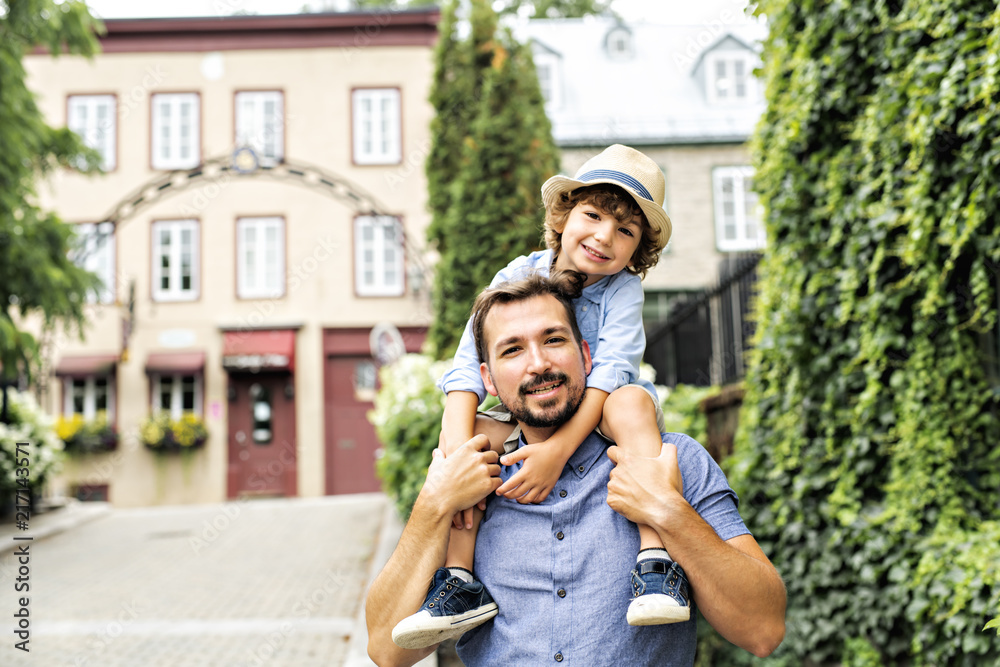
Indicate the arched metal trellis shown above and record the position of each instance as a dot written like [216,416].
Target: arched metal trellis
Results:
[244,163]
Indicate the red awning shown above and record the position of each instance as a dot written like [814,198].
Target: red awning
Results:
[175,363]
[98,365]
[267,349]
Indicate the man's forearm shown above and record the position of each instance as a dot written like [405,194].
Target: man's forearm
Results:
[734,584]
[401,586]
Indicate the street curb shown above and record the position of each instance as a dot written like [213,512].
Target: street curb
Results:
[74,513]
[389,531]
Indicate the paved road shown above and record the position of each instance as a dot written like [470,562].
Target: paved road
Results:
[264,583]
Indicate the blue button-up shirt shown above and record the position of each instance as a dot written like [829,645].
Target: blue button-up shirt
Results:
[609,313]
[560,570]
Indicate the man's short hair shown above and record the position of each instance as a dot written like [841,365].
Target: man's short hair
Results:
[564,286]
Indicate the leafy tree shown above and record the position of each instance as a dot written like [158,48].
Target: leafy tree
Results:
[36,275]
[869,464]
[494,204]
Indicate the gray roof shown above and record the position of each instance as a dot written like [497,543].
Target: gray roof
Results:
[657,95]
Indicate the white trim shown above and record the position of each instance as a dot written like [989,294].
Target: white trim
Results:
[93,118]
[175,258]
[260,124]
[737,217]
[379,262]
[95,252]
[735,84]
[176,393]
[176,128]
[548,68]
[377,131]
[89,397]
[260,261]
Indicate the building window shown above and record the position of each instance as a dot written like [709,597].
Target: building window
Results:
[175,260]
[95,252]
[93,118]
[88,397]
[176,130]
[176,394]
[377,126]
[737,215]
[260,258]
[378,256]
[260,124]
[547,68]
[619,44]
[730,78]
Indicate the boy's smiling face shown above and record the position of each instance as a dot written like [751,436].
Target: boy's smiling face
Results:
[596,243]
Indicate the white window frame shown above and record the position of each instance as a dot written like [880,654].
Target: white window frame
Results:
[174,291]
[550,85]
[89,397]
[720,94]
[260,265]
[176,393]
[373,108]
[371,268]
[83,117]
[95,252]
[741,200]
[256,127]
[619,44]
[170,135]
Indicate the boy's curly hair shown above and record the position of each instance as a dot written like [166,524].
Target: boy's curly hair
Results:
[614,201]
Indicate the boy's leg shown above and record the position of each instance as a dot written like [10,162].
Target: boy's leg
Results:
[455,602]
[659,585]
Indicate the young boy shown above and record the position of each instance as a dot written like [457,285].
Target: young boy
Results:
[607,224]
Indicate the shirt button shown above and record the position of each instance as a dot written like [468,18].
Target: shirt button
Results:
[560,535]
[580,468]
[585,309]
[562,494]
[559,657]
[561,592]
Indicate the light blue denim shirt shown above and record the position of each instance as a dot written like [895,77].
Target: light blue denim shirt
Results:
[609,314]
[560,570]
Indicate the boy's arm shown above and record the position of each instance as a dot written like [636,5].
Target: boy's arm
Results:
[544,461]
[459,419]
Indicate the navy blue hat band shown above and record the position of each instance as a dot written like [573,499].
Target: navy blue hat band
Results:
[618,176]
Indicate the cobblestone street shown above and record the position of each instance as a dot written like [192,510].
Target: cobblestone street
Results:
[267,582]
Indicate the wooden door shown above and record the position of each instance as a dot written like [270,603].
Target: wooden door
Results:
[262,454]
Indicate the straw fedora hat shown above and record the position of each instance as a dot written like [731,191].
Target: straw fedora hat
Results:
[627,168]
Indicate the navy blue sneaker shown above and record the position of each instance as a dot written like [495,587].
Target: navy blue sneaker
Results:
[660,593]
[452,606]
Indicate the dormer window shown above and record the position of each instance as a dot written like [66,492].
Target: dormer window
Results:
[619,43]
[547,68]
[730,78]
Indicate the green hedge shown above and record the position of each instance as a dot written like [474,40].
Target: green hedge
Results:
[867,458]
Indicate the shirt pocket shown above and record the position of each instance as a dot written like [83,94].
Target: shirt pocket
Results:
[589,320]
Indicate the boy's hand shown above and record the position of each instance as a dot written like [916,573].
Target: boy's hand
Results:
[543,464]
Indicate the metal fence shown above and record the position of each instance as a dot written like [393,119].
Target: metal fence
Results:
[704,337]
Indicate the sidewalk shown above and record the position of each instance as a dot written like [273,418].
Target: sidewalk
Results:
[264,582]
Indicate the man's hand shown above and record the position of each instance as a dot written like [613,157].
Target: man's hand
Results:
[640,488]
[543,464]
[459,481]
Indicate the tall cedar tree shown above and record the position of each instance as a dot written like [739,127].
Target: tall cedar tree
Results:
[495,210]
[868,465]
[36,276]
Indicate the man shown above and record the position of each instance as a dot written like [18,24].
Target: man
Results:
[556,568]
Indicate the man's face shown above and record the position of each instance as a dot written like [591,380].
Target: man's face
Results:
[535,366]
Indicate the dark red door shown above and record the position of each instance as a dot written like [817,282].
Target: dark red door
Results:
[262,457]
[350,439]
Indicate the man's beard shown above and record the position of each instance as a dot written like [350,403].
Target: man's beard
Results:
[543,419]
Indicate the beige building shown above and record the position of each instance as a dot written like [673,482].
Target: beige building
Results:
[263,212]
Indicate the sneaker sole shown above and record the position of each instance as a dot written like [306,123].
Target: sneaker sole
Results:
[655,614]
[424,631]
